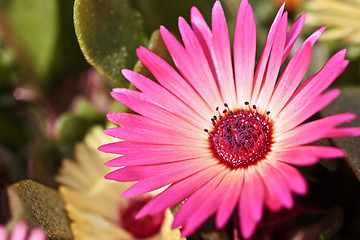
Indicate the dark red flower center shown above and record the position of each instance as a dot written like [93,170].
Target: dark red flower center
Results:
[143,227]
[240,138]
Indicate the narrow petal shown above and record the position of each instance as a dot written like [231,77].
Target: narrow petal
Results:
[297,158]
[139,103]
[164,178]
[136,121]
[158,94]
[209,206]
[148,136]
[261,67]
[171,79]
[192,204]
[312,131]
[198,73]
[244,51]
[19,232]
[128,147]
[273,67]
[293,34]
[343,132]
[251,203]
[315,85]
[290,79]
[277,192]
[304,112]
[222,54]
[148,158]
[178,191]
[230,198]
[293,178]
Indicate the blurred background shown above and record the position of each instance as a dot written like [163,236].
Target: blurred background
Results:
[54,89]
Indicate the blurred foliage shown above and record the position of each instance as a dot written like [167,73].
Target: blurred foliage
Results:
[49,99]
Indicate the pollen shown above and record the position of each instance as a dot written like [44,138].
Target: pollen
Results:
[240,138]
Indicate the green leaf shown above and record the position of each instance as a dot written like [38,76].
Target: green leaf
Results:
[108,33]
[348,101]
[41,206]
[33,30]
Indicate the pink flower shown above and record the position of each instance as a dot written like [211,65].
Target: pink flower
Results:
[220,133]
[20,232]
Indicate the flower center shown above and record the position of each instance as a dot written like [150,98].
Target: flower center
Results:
[143,227]
[240,138]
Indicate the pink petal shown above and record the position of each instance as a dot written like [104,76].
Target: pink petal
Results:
[230,198]
[198,73]
[141,104]
[244,51]
[312,131]
[319,151]
[157,93]
[191,205]
[171,79]
[136,173]
[260,70]
[295,181]
[222,52]
[251,203]
[179,191]
[148,158]
[273,67]
[141,123]
[277,192]
[185,63]
[297,158]
[293,34]
[19,231]
[165,178]
[148,136]
[315,85]
[209,206]
[304,112]
[290,79]
[343,132]
[37,234]
[128,147]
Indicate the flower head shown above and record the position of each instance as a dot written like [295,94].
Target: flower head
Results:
[94,204]
[220,132]
[20,232]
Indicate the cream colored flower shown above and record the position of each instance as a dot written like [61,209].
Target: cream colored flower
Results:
[341,16]
[94,204]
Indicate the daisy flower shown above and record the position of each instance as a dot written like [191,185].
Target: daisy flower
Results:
[342,17]
[94,204]
[219,133]
[20,232]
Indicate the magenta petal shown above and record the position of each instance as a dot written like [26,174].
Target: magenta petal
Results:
[244,51]
[170,78]
[261,67]
[293,177]
[293,34]
[157,93]
[343,132]
[273,67]
[191,205]
[179,191]
[230,198]
[222,54]
[207,207]
[312,131]
[165,178]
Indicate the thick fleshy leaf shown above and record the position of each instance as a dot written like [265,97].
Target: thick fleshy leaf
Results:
[41,207]
[108,33]
[349,100]
[34,26]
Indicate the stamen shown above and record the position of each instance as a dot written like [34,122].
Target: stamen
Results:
[240,138]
